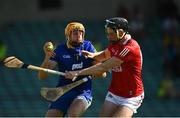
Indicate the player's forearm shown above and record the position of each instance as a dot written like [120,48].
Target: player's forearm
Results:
[45,64]
[101,67]
[100,56]
[97,69]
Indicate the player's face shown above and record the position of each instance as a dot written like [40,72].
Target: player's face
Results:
[76,37]
[114,35]
[111,34]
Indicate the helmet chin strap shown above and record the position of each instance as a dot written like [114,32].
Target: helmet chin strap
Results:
[117,33]
[119,37]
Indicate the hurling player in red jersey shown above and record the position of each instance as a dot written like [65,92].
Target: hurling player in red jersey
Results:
[124,57]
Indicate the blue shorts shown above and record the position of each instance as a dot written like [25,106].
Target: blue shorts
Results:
[64,102]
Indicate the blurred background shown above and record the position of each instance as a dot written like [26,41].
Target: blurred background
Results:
[25,25]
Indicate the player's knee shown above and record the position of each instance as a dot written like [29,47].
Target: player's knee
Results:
[54,113]
[74,114]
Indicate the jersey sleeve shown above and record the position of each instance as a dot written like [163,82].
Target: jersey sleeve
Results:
[123,53]
[91,48]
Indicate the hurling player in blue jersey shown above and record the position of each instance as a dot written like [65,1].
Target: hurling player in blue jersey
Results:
[68,57]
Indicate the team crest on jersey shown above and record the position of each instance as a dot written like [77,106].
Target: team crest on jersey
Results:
[66,56]
[114,51]
[77,66]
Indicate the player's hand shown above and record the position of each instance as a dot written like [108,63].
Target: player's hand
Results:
[71,75]
[48,49]
[88,54]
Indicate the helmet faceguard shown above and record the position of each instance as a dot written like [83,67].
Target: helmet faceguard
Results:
[71,27]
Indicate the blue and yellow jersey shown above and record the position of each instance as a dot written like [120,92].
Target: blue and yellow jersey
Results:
[69,59]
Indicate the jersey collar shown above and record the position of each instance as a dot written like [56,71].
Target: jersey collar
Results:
[127,37]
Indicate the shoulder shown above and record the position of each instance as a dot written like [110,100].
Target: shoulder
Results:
[129,42]
[87,45]
[132,44]
[87,42]
[133,47]
[60,47]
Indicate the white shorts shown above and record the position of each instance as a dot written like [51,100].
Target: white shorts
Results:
[133,103]
[86,98]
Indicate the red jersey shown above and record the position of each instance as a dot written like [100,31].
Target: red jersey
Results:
[127,77]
